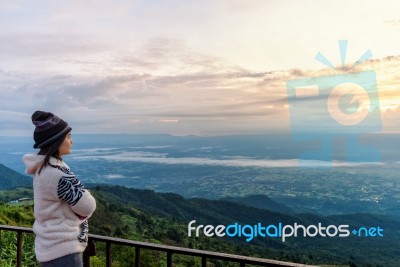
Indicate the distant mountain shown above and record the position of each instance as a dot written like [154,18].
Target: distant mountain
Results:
[261,202]
[175,206]
[11,179]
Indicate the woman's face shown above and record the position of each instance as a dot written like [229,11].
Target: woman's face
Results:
[65,147]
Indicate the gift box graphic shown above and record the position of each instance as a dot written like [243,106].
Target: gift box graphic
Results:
[344,106]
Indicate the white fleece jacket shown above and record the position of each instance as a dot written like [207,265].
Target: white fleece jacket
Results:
[61,207]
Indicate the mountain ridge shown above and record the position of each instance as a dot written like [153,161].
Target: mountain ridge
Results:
[11,179]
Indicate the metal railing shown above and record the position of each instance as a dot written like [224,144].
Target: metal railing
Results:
[169,250]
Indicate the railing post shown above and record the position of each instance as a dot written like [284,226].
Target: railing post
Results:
[108,254]
[169,259]
[19,249]
[1,245]
[137,256]
[86,260]
[203,261]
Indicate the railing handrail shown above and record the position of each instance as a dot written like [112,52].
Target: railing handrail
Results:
[204,254]
[16,228]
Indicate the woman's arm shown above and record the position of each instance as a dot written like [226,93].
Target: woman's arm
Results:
[72,191]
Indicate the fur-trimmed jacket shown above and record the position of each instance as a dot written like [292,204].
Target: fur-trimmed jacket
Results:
[61,206]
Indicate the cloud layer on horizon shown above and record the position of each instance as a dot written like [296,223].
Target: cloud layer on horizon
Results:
[228,101]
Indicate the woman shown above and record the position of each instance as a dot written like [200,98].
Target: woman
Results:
[61,204]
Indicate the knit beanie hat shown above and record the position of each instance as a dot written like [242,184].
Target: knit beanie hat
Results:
[49,128]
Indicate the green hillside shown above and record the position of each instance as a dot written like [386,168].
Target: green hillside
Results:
[262,202]
[11,179]
[164,217]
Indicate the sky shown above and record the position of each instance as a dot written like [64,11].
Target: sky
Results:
[195,67]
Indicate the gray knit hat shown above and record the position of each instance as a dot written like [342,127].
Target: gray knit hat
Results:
[49,128]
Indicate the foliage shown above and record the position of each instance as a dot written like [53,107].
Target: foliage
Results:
[8,251]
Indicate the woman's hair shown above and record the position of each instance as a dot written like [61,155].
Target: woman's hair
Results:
[50,151]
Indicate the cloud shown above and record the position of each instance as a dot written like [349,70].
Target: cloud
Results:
[168,121]
[48,45]
[139,66]
[170,57]
[390,118]
[147,157]
[15,123]
[232,100]
[393,22]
